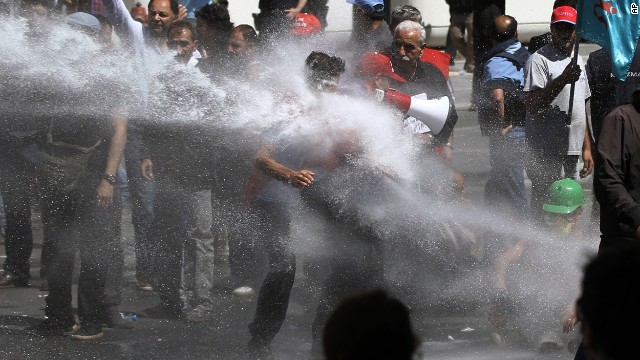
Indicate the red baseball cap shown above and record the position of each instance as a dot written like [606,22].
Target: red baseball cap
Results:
[305,24]
[564,14]
[373,64]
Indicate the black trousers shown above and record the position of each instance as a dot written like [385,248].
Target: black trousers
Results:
[76,223]
[273,299]
[16,177]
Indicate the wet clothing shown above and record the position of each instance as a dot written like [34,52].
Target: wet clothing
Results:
[184,166]
[617,182]
[17,175]
[99,229]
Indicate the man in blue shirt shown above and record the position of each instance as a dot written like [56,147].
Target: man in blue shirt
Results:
[502,116]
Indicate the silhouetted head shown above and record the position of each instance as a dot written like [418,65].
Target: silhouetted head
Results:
[608,306]
[370,326]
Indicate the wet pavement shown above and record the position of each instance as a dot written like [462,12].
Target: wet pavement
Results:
[459,331]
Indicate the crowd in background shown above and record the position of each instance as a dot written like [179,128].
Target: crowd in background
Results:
[531,104]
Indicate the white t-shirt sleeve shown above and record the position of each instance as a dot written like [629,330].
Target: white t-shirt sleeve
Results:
[536,74]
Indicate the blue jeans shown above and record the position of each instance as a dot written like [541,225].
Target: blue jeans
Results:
[505,186]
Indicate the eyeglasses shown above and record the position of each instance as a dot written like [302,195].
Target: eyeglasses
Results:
[407,47]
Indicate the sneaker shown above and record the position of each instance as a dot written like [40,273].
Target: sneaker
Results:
[8,280]
[145,286]
[113,319]
[52,328]
[87,332]
[198,314]
[243,291]
[161,312]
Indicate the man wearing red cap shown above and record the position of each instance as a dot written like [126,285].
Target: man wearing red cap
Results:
[556,140]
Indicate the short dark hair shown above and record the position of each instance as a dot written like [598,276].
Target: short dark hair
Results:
[183,24]
[174,4]
[216,15]
[248,33]
[402,13]
[509,32]
[372,325]
[320,66]
[609,301]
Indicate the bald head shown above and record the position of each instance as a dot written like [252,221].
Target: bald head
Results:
[506,28]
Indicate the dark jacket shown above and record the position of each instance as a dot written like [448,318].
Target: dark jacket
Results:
[617,175]
[429,80]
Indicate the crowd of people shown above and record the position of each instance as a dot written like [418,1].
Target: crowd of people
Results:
[205,161]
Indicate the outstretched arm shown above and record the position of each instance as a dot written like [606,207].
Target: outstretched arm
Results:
[268,165]
[129,30]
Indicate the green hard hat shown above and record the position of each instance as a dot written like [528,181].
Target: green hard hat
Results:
[564,197]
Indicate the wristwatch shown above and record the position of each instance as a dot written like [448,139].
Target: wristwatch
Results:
[110,178]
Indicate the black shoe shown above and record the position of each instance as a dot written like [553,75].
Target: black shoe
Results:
[113,319]
[87,332]
[8,280]
[52,328]
[161,312]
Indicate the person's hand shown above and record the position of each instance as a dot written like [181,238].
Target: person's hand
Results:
[570,74]
[182,13]
[104,193]
[587,167]
[292,13]
[569,320]
[637,233]
[146,168]
[447,154]
[505,130]
[301,178]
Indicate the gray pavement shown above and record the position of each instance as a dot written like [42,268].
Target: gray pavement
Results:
[459,331]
